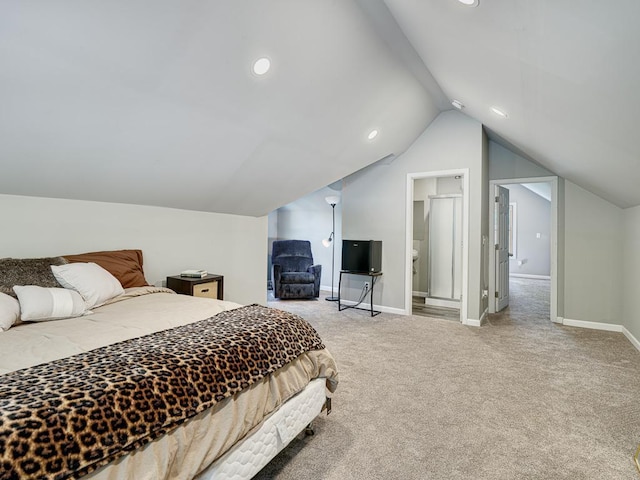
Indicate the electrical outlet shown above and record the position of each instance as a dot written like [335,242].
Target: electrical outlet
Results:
[366,286]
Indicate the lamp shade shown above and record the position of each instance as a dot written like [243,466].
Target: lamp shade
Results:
[332,199]
[327,241]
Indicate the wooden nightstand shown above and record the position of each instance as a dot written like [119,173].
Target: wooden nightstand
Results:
[211,286]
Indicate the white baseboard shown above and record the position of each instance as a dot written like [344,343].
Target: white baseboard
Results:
[419,294]
[634,341]
[327,288]
[472,322]
[527,275]
[367,306]
[609,327]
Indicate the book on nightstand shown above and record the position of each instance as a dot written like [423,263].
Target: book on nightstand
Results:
[194,273]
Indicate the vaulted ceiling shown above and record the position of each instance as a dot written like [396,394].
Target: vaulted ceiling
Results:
[155,102]
[566,73]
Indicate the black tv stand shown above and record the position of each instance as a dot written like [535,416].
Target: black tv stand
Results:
[374,276]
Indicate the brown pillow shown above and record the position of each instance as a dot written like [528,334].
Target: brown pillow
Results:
[125,265]
[28,271]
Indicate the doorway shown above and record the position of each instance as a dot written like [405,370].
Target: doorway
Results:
[437,250]
[530,238]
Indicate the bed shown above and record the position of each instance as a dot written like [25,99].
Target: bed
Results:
[149,384]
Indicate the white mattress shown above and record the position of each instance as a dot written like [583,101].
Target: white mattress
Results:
[252,453]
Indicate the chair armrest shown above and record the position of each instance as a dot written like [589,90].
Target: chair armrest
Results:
[277,271]
[315,269]
[317,272]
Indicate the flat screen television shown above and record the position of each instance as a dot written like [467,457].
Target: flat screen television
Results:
[362,256]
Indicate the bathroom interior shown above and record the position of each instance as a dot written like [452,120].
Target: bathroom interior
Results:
[437,247]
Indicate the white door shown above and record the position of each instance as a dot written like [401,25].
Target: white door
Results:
[445,247]
[441,247]
[501,236]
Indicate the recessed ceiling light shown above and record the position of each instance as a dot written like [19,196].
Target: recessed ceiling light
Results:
[498,112]
[458,104]
[261,66]
[372,134]
[469,3]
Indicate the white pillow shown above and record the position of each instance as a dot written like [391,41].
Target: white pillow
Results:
[40,304]
[9,311]
[90,280]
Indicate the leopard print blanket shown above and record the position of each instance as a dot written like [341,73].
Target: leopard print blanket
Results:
[66,418]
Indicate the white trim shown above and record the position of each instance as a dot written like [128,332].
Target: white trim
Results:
[609,327]
[419,294]
[559,320]
[367,306]
[528,275]
[553,304]
[513,206]
[408,282]
[634,341]
[472,322]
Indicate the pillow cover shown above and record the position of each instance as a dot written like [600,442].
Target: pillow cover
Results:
[38,304]
[90,280]
[9,311]
[27,271]
[125,265]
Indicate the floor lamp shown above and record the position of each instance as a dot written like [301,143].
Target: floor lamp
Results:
[333,201]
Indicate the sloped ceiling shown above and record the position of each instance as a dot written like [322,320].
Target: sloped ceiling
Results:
[154,102]
[566,73]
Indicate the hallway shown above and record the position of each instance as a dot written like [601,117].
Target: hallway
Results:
[528,303]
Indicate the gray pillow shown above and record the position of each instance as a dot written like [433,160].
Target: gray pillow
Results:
[28,271]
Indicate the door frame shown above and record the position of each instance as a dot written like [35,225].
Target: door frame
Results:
[408,283]
[553,304]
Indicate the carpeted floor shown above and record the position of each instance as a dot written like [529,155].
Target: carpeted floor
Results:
[421,398]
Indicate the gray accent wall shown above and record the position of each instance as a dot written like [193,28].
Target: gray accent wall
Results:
[533,218]
[506,164]
[374,203]
[484,225]
[631,271]
[593,257]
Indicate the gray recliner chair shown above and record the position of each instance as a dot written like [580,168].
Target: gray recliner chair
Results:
[294,274]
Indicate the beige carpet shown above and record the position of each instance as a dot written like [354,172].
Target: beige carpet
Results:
[519,398]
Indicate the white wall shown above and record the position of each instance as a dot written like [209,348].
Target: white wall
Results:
[533,217]
[631,271]
[374,203]
[171,240]
[309,218]
[593,258]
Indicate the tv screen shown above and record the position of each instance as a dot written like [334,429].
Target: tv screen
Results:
[362,256]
